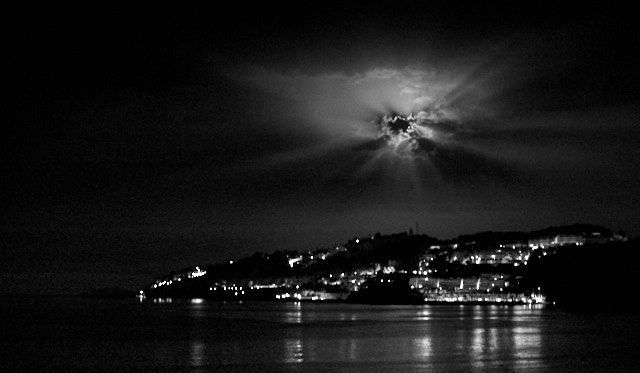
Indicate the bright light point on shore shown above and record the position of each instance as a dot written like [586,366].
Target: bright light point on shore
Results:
[293,261]
[197,273]
[197,300]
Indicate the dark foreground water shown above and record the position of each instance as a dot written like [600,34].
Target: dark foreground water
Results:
[72,334]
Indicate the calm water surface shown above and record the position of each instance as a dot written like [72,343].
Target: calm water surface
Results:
[70,334]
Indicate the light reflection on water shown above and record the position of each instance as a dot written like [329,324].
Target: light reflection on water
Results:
[422,348]
[294,316]
[197,354]
[424,314]
[211,336]
[475,338]
[198,309]
[527,343]
[480,338]
[294,352]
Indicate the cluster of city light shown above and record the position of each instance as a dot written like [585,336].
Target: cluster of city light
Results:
[422,272]
[352,281]
[502,298]
[234,287]
[268,286]
[237,290]
[228,288]
[297,296]
[177,278]
[466,289]
[462,284]
[162,300]
[162,283]
[295,260]
[497,256]
[197,273]
[311,257]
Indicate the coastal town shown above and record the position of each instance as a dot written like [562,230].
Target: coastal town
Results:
[403,268]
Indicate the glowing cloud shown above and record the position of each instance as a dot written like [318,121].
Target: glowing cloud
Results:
[337,102]
[414,113]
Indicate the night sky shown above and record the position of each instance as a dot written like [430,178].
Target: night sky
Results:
[143,139]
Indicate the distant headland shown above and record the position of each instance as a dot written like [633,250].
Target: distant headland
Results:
[570,265]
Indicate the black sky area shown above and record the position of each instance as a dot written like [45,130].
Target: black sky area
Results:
[140,139]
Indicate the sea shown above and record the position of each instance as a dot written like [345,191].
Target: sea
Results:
[66,334]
